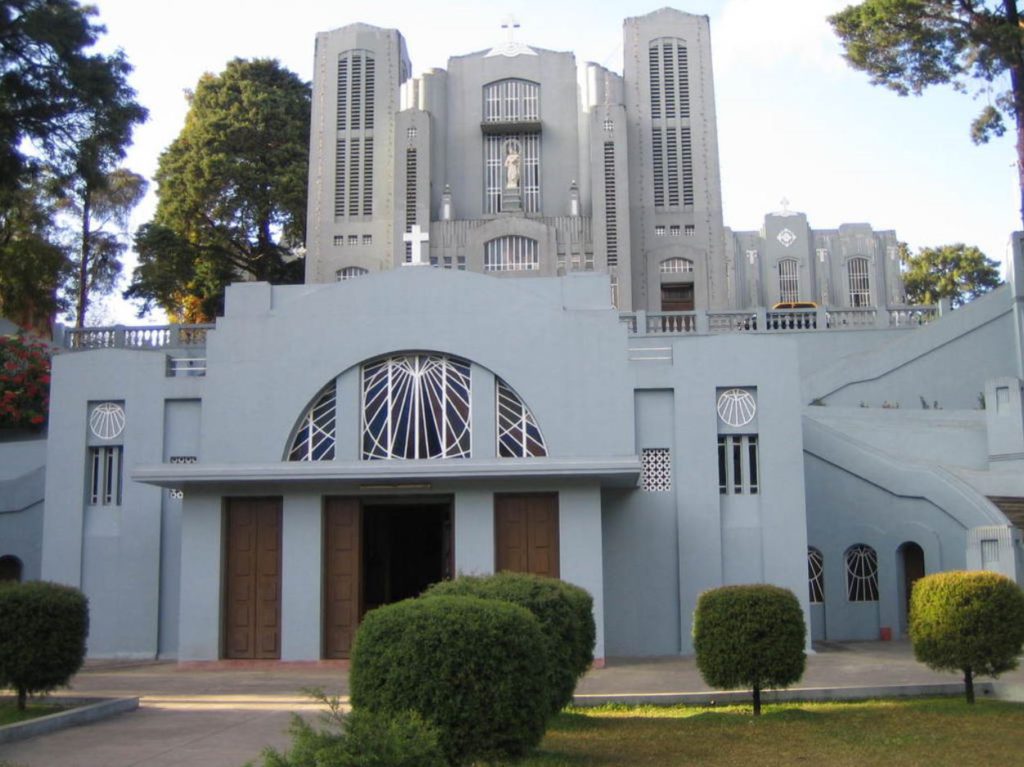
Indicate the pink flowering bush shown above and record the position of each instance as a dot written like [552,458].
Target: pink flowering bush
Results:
[24,383]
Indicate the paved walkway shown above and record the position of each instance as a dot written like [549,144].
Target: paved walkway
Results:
[222,717]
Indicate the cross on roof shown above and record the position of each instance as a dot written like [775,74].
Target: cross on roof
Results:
[511,24]
[785,205]
[418,238]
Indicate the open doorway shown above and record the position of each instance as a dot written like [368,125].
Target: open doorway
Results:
[378,551]
[911,568]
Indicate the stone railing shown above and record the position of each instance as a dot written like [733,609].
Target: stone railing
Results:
[142,338]
[763,320]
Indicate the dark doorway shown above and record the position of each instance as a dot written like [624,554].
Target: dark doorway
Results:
[677,297]
[405,549]
[10,568]
[911,558]
[377,552]
[252,578]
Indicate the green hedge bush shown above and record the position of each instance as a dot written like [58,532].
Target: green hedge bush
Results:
[566,618]
[43,627]
[468,666]
[749,636]
[360,739]
[967,621]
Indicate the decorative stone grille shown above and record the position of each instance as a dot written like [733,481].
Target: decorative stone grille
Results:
[861,573]
[518,433]
[314,439]
[656,470]
[815,576]
[107,420]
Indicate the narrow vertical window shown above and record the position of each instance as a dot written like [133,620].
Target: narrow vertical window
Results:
[368,176]
[860,282]
[815,576]
[861,573]
[611,229]
[658,150]
[105,475]
[789,280]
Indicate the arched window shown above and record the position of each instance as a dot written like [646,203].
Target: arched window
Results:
[860,281]
[815,576]
[671,141]
[789,280]
[511,253]
[315,435]
[518,433]
[351,272]
[861,573]
[676,266]
[416,406]
[10,568]
[512,101]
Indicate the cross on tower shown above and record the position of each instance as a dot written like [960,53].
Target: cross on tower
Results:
[418,238]
[511,24]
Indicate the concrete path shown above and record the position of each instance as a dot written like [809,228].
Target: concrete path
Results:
[224,715]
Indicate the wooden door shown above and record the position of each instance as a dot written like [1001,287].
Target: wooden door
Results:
[252,599]
[677,297]
[342,575]
[526,533]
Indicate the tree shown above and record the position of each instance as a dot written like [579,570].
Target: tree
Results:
[75,109]
[232,192]
[751,636]
[967,621]
[958,272]
[908,45]
[42,636]
[100,207]
[33,262]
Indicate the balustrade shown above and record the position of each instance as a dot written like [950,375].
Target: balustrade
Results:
[149,337]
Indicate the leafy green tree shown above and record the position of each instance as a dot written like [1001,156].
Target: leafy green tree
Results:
[971,622]
[33,262]
[232,192]
[100,208]
[958,272]
[908,45]
[751,636]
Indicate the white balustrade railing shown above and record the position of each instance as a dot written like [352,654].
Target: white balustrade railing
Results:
[671,322]
[732,321]
[847,319]
[122,337]
[910,316]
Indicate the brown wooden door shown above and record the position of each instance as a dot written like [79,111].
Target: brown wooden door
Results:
[526,533]
[342,571]
[677,297]
[252,599]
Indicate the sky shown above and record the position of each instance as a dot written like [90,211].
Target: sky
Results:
[794,121]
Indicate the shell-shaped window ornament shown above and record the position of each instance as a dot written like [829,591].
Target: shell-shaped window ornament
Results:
[107,420]
[736,407]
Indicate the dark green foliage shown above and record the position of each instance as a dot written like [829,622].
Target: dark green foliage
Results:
[232,192]
[360,739]
[967,621]
[468,666]
[749,636]
[43,627]
[909,45]
[566,618]
[958,272]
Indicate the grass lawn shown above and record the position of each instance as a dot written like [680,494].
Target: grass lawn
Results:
[927,732]
[9,713]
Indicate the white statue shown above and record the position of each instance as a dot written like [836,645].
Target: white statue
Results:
[512,164]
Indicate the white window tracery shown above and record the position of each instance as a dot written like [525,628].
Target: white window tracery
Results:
[676,266]
[815,576]
[416,406]
[518,433]
[511,253]
[789,280]
[860,281]
[512,101]
[315,437]
[861,573]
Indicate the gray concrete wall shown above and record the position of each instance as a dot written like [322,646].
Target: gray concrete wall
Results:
[22,480]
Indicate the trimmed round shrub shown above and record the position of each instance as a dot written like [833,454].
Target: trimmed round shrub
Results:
[566,619]
[749,636]
[43,627]
[967,621]
[468,666]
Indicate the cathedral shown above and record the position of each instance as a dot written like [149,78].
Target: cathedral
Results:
[526,341]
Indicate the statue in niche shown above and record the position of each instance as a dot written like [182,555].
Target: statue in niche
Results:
[512,164]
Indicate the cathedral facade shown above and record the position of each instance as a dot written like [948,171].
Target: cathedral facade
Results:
[527,341]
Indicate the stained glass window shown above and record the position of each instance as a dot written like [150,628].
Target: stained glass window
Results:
[518,433]
[416,406]
[314,440]
[861,574]
[815,575]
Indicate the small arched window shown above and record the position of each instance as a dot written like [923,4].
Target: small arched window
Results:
[815,576]
[676,266]
[351,272]
[860,281]
[10,568]
[511,253]
[861,573]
